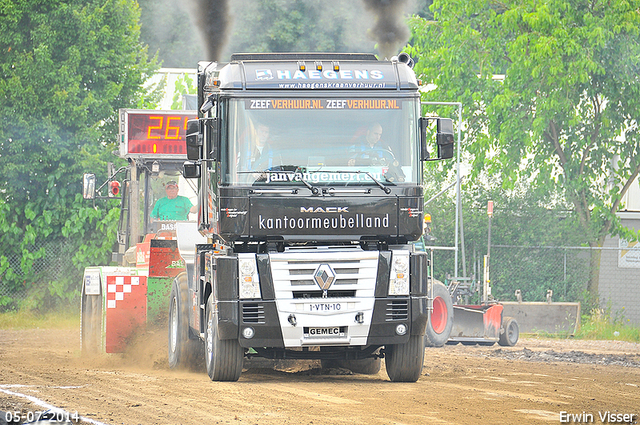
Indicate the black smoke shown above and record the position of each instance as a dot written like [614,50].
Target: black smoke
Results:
[385,20]
[212,20]
[390,29]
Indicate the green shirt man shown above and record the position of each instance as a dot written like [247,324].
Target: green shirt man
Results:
[172,206]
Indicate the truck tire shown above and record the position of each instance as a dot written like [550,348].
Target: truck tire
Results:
[184,352]
[91,324]
[440,320]
[223,358]
[510,332]
[404,361]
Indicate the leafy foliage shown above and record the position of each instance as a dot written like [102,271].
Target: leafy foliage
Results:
[184,85]
[298,26]
[67,66]
[167,29]
[521,218]
[255,26]
[561,114]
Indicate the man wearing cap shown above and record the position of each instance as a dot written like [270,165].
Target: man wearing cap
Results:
[172,206]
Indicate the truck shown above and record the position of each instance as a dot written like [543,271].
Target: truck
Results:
[307,250]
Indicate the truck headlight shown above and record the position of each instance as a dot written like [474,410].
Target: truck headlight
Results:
[399,279]
[248,279]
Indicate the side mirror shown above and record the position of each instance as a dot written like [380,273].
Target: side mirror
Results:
[194,140]
[424,152]
[89,186]
[212,138]
[444,138]
[191,170]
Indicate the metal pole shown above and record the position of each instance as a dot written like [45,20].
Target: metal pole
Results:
[487,258]
[458,196]
[462,248]
[565,273]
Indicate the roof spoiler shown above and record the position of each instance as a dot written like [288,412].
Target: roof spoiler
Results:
[303,56]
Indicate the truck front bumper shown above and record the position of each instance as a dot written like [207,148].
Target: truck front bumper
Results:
[388,321]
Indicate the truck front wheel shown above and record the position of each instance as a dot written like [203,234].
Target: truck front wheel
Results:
[223,357]
[184,353]
[404,361]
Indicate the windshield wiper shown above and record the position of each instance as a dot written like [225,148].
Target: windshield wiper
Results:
[368,174]
[314,190]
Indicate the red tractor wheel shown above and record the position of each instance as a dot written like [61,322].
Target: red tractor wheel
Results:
[441,318]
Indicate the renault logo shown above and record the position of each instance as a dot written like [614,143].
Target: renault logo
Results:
[324,276]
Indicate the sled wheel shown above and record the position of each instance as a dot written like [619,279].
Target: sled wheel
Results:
[510,332]
[91,320]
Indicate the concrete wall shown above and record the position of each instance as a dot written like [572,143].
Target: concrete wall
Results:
[620,273]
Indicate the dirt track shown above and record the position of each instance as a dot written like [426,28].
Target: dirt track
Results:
[530,383]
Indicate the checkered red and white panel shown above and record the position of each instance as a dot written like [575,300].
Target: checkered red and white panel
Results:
[122,286]
[126,310]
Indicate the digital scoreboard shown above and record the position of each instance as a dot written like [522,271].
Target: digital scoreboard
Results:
[150,133]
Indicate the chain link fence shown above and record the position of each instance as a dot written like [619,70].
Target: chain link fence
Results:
[535,270]
[566,271]
[531,269]
[52,263]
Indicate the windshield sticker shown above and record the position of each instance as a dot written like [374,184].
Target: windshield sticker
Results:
[322,177]
[255,104]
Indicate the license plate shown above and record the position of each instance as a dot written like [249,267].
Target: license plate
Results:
[329,332]
[315,307]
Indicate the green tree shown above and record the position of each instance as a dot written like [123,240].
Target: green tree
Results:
[552,95]
[66,68]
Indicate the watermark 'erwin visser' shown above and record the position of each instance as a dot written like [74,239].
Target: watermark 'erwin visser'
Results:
[604,417]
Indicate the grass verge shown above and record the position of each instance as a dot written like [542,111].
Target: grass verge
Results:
[25,319]
[599,324]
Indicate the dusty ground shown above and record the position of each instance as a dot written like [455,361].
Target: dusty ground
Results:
[530,383]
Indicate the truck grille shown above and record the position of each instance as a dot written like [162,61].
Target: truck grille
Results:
[355,273]
[253,313]
[319,294]
[397,310]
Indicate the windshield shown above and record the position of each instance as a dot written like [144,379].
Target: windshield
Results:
[170,197]
[333,141]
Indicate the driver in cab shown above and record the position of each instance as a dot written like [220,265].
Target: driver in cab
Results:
[369,148]
[172,206]
[260,155]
